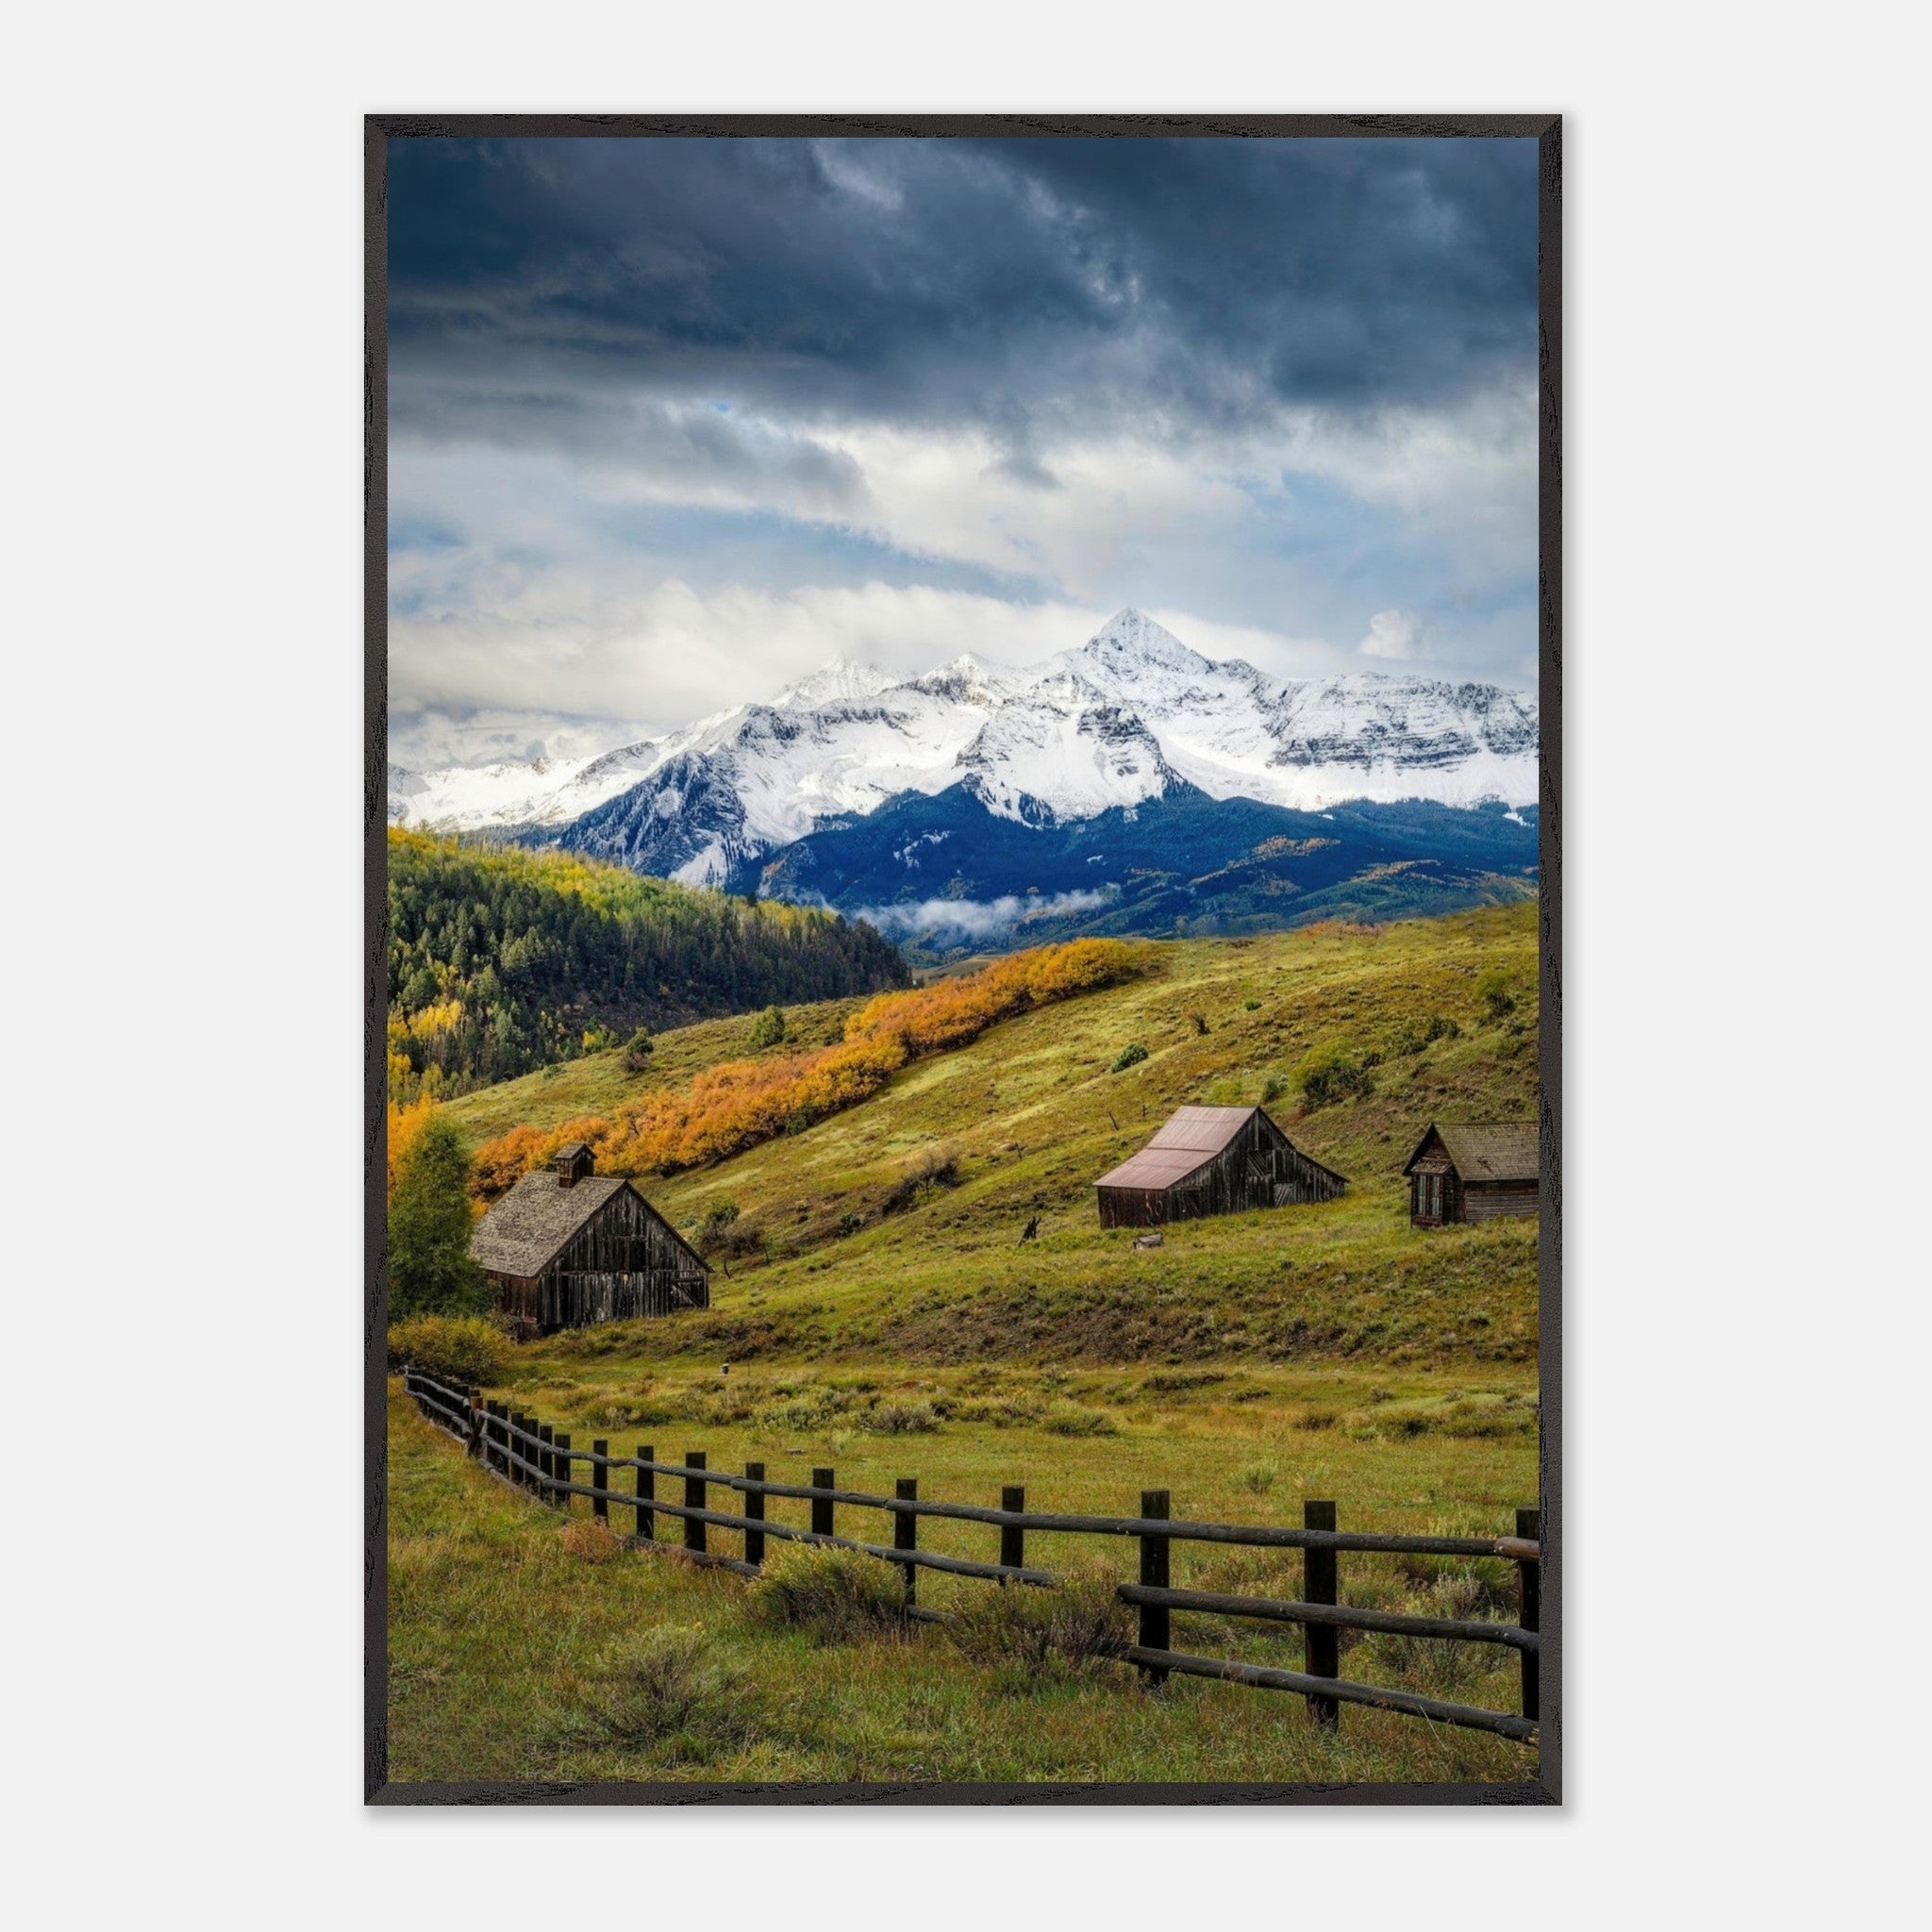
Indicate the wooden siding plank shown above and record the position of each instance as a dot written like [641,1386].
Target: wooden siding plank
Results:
[623,1263]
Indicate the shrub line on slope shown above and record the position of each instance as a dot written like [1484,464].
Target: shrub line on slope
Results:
[735,1106]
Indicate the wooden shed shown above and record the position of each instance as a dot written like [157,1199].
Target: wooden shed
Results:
[1212,1161]
[567,1248]
[1472,1173]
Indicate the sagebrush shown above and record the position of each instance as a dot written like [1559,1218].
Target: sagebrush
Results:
[837,1595]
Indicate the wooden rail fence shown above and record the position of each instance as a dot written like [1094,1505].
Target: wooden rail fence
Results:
[534,1456]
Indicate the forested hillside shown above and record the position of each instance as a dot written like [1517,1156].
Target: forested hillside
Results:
[501,960]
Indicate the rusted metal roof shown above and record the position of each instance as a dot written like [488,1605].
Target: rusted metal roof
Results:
[1156,1168]
[1191,1138]
[527,1230]
[1503,1151]
[1202,1129]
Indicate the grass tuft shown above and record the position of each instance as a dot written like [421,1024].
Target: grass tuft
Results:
[1071,1418]
[913,1418]
[590,1540]
[837,1596]
[1030,1635]
[668,1687]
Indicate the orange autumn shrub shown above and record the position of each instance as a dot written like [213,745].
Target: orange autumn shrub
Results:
[739,1104]
[500,1163]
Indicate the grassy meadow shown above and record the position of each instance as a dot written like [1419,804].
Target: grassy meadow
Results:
[522,1649]
[881,1314]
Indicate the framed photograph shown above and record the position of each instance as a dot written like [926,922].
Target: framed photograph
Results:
[963,923]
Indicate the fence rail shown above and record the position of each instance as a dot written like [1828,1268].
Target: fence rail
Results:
[534,1456]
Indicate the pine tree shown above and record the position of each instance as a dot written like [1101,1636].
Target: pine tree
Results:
[430,1272]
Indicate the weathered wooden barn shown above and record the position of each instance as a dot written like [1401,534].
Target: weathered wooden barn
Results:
[1472,1173]
[568,1248]
[1212,1161]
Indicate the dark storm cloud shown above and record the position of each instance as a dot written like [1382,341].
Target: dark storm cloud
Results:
[540,288]
[674,422]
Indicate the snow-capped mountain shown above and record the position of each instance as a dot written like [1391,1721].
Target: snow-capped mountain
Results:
[842,681]
[1131,715]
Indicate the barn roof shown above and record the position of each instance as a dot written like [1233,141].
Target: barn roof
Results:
[1155,1168]
[1191,1138]
[1505,1151]
[526,1230]
[1202,1129]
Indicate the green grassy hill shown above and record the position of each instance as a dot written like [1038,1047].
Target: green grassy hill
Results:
[894,1231]
[886,1320]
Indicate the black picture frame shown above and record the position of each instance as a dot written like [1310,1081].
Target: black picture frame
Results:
[1546,130]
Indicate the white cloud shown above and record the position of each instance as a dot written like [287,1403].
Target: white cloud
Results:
[526,608]
[588,638]
[495,662]
[1391,634]
[976,919]
[1075,512]
[433,739]
[1468,473]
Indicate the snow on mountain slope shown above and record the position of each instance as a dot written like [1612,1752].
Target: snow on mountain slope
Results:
[686,822]
[1062,751]
[972,681]
[842,681]
[551,791]
[1390,737]
[1125,717]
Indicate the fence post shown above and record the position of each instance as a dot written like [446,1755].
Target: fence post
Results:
[1153,1576]
[600,1480]
[647,1491]
[474,1441]
[1530,1611]
[821,1505]
[546,1462]
[490,1435]
[754,1507]
[1321,1643]
[1012,1535]
[694,1499]
[562,1472]
[905,1534]
[528,1471]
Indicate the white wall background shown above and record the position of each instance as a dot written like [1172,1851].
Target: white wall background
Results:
[1745,721]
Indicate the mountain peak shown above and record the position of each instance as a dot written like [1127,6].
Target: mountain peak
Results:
[974,680]
[1129,637]
[1122,717]
[840,680]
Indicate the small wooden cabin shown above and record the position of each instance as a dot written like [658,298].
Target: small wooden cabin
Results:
[567,1248]
[1212,1161]
[1472,1173]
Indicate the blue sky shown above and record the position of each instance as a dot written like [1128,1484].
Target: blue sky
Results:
[674,422]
